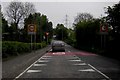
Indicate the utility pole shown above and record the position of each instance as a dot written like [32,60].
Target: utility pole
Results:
[66,20]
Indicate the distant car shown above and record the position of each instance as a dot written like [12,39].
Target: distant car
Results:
[58,46]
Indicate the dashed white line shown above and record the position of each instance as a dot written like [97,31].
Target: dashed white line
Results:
[43,61]
[50,49]
[95,70]
[40,65]
[33,71]
[45,58]
[26,69]
[99,72]
[87,70]
[80,64]
[75,60]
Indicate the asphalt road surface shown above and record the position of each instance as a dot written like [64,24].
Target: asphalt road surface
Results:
[71,64]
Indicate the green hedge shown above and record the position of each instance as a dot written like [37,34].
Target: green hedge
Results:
[12,48]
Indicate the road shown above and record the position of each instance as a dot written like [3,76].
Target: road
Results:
[72,64]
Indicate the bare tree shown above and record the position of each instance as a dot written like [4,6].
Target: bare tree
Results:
[28,8]
[17,11]
[83,17]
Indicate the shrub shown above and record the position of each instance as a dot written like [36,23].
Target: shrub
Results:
[12,48]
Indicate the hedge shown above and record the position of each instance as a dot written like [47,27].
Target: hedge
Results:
[12,48]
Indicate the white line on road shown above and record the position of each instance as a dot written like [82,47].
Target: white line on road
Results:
[40,65]
[45,58]
[75,60]
[43,61]
[26,69]
[80,64]
[99,72]
[87,70]
[69,51]
[32,71]
[50,49]
[59,53]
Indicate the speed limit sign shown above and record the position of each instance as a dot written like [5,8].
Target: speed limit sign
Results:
[31,29]
[103,28]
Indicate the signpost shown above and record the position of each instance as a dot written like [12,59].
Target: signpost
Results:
[103,33]
[32,31]
[47,33]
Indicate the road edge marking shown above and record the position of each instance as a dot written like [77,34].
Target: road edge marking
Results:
[99,72]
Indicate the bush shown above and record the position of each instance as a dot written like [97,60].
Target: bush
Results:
[12,48]
[43,44]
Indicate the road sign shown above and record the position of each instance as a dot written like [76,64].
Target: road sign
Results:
[47,33]
[103,28]
[31,29]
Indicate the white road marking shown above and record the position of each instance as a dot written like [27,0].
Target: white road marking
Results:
[43,61]
[40,65]
[26,69]
[75,60]
[32,71]
[99,72]
[59,53]
[87,70]
[45,58]
[80,64]
[50,49]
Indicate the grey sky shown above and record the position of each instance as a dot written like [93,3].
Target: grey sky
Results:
[56,11]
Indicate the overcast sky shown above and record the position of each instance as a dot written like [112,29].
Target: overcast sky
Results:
[57,11]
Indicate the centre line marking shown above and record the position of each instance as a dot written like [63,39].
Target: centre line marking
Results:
[99,72]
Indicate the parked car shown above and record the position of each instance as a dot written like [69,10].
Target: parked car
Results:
[58,46]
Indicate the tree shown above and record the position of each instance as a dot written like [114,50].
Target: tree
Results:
[86,30]
[83,17]
[0,20]
[5,27]
[17,11]
[61,32]
[113,19]
[42,25]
